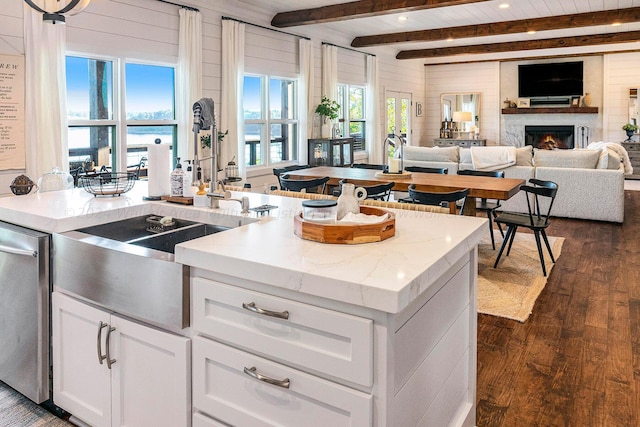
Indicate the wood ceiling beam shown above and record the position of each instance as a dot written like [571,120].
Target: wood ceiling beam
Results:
[358,9]
[589,19]
[560,42]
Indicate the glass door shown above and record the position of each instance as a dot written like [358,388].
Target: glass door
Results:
[399,114]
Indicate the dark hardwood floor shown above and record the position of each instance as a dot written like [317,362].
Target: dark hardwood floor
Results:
[576,360]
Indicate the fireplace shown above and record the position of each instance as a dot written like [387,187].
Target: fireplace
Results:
[549,137]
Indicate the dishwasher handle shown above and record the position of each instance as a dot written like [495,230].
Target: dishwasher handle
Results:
[16,251]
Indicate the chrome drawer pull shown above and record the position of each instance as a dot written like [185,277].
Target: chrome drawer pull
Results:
[252,307]
[100,356]
[253,373]
[17,251]
[110,361]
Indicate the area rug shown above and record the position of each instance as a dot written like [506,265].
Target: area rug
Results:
[511,289]
[18,411]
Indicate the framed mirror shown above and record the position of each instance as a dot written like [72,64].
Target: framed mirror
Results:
[634,107]
[452,103]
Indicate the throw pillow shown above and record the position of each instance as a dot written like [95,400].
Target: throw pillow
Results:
[584,159]
[609,159]
[431,154]
[524,156]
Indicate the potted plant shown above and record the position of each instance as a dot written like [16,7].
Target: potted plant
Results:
[327,109]
[630,128]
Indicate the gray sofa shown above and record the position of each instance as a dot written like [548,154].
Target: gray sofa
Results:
[590,182]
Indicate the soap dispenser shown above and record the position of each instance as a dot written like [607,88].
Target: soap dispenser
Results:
[188,190]
[177,180]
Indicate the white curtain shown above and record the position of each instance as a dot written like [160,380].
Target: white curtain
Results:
[189,79]
[306,101]
[330,72]
[374,139]
[45,95]
[231,114]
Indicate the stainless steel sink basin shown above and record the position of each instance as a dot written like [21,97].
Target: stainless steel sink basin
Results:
[140,232]
[129,268]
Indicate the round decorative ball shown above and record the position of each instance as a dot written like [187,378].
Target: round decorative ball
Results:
[21,184]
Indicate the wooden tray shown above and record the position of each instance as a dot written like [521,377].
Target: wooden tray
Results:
[177,199]
[349,234]
[403,174]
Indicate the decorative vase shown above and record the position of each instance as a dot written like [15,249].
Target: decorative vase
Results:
[349,200]
[629,135]
[325,128]
[586,100]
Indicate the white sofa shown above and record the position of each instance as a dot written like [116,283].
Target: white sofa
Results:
[590,182]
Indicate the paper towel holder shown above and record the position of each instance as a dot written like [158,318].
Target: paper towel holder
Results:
[153,198]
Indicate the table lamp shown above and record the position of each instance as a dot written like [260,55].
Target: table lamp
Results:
[461,117]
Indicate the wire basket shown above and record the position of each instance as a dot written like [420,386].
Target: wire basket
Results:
[107,183]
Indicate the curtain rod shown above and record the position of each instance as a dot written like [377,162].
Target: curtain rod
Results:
[348,48]
[180,5]
[227,18]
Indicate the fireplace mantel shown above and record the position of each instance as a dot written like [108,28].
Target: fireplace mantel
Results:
[551,110]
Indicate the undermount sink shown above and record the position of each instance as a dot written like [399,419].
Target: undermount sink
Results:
[128,266]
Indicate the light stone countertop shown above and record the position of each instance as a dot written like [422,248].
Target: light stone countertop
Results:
[384,276]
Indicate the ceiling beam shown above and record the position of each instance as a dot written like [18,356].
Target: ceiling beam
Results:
[560,42]
[589,19]
[358,9]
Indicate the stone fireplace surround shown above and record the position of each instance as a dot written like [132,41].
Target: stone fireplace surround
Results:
[586,127]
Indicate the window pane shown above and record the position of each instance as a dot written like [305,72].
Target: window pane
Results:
[252,98]
[356,131]
[252,153]
[282,144]
[391,115]
[138,137]
[150,92]
[356,103]
[89,89]
[281,99]
[91,145]
[404,116]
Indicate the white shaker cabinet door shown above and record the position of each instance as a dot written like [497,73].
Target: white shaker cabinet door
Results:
[81,385]
[150,377]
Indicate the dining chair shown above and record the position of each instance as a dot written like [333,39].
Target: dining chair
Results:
[420,169]
[442,171]
[374,191]
[281,171]
[438,198]
[537,219]
[369,166]
[315,185]
[487,205]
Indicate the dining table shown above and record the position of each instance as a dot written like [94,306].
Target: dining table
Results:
[479,186]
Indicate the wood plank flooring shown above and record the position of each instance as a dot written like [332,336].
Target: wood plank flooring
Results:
[576,360]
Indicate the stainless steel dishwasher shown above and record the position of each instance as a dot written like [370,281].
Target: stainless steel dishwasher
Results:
[25,286]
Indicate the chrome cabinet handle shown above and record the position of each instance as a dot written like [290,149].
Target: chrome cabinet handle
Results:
[252,307]
[16,251]
[100,327]
[253,373]
[110,361]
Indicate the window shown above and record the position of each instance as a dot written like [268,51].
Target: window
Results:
[352,119]
[111,127]
[270,120]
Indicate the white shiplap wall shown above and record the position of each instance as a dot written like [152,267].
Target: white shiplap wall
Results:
[482,78]
[147,30]
[621,73]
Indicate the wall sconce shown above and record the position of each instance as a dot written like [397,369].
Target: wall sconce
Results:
[53,10]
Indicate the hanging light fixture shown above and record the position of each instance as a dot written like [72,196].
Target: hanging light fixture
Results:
[53,10]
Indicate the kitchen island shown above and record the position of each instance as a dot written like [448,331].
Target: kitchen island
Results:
[286,331]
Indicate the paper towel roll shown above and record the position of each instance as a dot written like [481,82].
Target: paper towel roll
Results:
[159,169]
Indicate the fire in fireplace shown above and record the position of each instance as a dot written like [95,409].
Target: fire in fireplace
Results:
[549,137]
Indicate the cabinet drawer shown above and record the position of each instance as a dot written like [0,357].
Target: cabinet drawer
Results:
[201,420]
[632,147]
[223,389]
[312,338]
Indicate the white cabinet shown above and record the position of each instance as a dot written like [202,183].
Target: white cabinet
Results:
[109,371]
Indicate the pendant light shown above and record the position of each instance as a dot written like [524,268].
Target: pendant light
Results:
[53,10]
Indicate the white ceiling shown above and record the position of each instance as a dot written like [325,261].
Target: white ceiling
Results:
[452,16]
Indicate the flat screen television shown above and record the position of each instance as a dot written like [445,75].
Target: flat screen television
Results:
[552,79]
